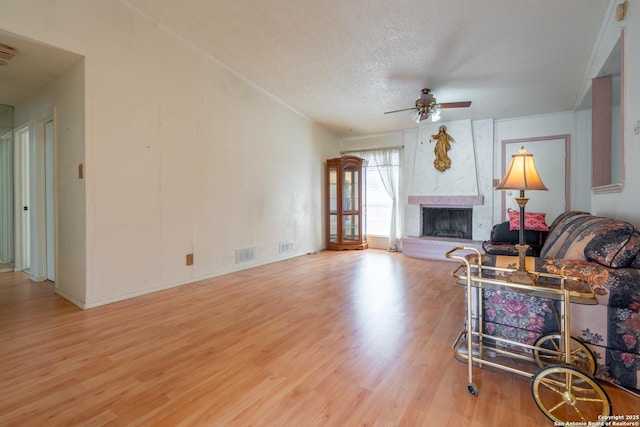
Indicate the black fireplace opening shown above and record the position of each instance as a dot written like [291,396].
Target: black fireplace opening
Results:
[447,222]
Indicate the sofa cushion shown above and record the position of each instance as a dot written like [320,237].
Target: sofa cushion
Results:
[635,262]
[629,255]
[558,240]
[502,233]
[590,238]
[613,244]
[563,217]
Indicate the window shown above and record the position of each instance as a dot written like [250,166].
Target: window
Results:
[382,173]
[378,205]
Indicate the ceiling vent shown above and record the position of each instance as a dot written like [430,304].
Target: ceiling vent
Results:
[6,52]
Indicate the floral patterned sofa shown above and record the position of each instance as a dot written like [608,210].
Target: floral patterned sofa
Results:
[604,252]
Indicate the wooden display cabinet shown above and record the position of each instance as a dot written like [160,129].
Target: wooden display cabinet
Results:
[345,199]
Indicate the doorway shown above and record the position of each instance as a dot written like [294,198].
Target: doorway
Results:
[552,156]
[34,212]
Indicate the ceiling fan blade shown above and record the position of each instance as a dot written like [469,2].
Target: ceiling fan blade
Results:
[397,111]
[455,104]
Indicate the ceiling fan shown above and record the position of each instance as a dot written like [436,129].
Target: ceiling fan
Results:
[427,106]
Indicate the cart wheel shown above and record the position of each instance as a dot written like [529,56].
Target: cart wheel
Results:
[473,389]
[565,394]
[581,357]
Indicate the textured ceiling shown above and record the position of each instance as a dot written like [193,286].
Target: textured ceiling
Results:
[343,63]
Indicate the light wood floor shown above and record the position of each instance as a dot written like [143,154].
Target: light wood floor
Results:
[360,338]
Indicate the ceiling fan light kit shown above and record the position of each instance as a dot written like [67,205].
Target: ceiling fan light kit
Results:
[426,106]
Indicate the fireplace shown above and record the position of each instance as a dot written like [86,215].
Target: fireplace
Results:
[456,210]
[453,222]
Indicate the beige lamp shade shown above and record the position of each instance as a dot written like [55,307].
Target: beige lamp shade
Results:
[521,174]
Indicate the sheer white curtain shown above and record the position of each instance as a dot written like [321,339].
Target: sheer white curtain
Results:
[386,161]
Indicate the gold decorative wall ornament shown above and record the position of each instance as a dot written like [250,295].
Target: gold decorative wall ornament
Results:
[621,11]
[443,145]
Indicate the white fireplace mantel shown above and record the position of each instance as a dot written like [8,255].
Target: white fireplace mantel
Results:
[446,200]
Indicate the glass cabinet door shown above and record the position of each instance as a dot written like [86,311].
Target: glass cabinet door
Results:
[333,190]
[350,228]
[344,203]
[333,204]
[350,190]
[333,228]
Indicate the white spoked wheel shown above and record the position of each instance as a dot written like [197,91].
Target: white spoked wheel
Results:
[581,357]
[566,394]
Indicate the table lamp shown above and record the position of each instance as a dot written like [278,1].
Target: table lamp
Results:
[521,175]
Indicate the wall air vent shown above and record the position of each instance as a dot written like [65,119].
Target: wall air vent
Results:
[6,52]
[246,254]
[286,246]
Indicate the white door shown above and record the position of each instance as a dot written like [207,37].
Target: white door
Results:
[550,157]
[23,186]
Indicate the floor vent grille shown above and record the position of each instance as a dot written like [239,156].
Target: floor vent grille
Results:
[286,246]
[246,254]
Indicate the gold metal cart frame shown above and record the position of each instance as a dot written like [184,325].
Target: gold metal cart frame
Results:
[563,387]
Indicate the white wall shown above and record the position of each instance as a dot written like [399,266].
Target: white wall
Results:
[181,155]
[626,204]
[460,179]
[487,142]
[470,172]
[483,136]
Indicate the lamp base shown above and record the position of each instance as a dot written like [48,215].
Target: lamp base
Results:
[522,276]
[522,257]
